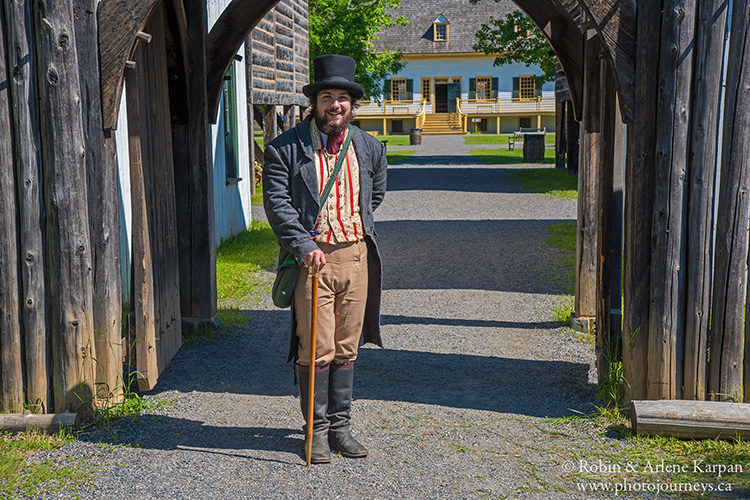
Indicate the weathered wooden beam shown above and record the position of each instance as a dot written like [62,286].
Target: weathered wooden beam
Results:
[560,107]
[615,22]
[712,19]
[607,344]
[572,138]
[104,215]
[69,266]
[290,112]
[250,109]
[50,423]
[235,23]
[23,87]
[639,199]
[559,27]
[201,285]
[588,190]
[726,337]
[691,419]
[669,233]
[11,376]
[270,125]
[142,300]
[119,22]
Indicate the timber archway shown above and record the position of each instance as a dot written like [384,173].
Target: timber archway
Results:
[653,64]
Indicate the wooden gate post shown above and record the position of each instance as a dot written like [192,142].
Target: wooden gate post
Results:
[68,238]
[11,376]
[104,217]
[639,200]
[607,344]
[23,87]
[250,109]
[198,288]
[586,252]
[667,313]
[702,166]
[560,135]
[270,125]
[290,112]
[726,364]
[572,136]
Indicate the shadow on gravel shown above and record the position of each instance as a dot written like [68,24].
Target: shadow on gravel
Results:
[396,319]
[503,255]
[170,433]
[255,364]
[476,180]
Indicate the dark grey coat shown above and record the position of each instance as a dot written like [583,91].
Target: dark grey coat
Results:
[292,204]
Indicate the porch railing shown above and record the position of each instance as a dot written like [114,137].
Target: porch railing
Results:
[466,106]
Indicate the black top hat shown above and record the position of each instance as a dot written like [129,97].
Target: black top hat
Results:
[334,72]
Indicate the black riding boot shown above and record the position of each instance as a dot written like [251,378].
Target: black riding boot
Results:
[339,412]
[321,453]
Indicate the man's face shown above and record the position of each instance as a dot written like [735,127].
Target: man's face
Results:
[333,110]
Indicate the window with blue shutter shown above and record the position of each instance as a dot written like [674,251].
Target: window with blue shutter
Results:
[387,89]
[495,83]
[472,88]
[409,89]
[516,87]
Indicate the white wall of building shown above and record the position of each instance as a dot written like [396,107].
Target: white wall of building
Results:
[232,205]
[468,67]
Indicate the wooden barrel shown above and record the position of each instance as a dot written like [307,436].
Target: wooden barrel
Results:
[415,136]
[533,148]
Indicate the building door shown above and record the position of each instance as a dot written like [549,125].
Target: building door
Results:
[441,97]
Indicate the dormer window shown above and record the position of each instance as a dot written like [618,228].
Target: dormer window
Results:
[441,32]
[440,29]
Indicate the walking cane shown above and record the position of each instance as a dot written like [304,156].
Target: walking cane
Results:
[311,387]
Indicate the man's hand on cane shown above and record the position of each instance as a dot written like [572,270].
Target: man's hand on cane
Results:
[316,257]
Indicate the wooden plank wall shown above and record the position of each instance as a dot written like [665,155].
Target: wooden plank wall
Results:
[11,376]
[278,68]
[151,86]
[727,333]
[101,172]
[27,148]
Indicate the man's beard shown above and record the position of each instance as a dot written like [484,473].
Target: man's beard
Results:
[323,121]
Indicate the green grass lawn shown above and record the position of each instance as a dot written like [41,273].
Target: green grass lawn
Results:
[547,181]
[395,140]
[502,156]
[239,257]
[501,139]
[396,157]
[21,478]
[257,198]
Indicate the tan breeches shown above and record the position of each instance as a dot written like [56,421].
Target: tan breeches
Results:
[342,296]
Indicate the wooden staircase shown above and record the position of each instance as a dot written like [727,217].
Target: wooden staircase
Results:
[442,124]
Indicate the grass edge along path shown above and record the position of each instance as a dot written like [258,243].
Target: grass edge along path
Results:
[689,458]
[500,139]
[502,156]
[396,157]
[23,478]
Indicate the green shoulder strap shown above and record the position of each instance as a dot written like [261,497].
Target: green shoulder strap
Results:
[336,169]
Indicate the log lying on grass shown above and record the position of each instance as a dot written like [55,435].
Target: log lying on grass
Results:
[691,419]
[49,422]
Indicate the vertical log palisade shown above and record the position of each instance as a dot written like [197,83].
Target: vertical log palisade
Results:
[654,65]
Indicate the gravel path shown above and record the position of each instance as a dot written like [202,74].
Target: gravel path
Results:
[457,403]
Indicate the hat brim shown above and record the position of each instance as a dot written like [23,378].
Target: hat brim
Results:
[336,82]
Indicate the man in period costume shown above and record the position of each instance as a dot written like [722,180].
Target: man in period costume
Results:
[337,237]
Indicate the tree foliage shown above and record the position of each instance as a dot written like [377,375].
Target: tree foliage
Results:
[348,27]
[516,39]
